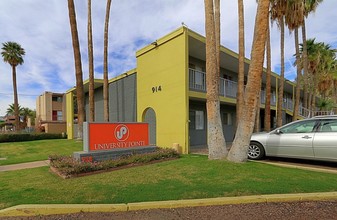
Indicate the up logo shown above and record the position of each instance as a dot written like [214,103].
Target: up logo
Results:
[121,132]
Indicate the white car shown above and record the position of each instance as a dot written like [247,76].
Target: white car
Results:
[313,139]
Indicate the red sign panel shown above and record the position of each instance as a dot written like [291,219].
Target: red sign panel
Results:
[108,136]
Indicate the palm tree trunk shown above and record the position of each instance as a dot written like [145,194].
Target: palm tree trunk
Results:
[241,74]
[105,72]
[305,66]
[215,139]
[239,149]
[309,103]
[16,102]
[91,68]
[257,117]
[268,84]
[299,78]
[281,84]
[78,67]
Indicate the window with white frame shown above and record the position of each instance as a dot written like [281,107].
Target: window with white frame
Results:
[59,115]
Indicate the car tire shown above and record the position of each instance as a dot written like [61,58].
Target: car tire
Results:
[255,151]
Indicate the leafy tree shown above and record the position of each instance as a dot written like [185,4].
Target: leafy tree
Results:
[12,54]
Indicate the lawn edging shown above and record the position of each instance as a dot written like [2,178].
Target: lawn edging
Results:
[52,209]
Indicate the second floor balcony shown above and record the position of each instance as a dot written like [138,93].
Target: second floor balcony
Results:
[227,88]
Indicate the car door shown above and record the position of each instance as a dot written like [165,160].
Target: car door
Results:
[293,140]
[325,141]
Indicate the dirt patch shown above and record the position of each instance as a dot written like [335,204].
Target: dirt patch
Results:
[289,211]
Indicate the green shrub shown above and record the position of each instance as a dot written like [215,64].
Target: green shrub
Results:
[29,137]
[69,166]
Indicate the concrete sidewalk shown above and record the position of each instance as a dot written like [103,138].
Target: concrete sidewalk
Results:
[22,166]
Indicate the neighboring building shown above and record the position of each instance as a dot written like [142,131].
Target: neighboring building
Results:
[51,112]
[9,123]
[168,90]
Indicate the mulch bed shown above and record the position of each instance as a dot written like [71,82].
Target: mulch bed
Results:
[63,176]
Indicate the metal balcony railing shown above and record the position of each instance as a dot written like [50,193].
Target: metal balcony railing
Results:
[227,88]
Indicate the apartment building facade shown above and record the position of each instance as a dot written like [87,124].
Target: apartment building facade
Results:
[51,112]
[168,90]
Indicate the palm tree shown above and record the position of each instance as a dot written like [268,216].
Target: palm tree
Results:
[78,67]
[13,53]
[105,72]
[215,139]
[268,83]
[294,19]
[322,70]
[309,6]
[25,113]
[91,67]
[278,9]
[241,73]
[239,149]
[11,109]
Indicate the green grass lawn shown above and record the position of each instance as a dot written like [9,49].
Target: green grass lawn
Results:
[28,151]
[189,177]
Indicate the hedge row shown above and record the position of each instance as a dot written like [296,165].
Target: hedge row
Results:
[68,166]
[29,137]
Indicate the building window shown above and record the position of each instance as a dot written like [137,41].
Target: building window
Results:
[54,116]
[227,118]
[57,116]
[274,97]
[57,99]
[225,76]
[199,78]
[197,120]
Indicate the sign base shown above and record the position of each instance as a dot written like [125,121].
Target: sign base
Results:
[95,156]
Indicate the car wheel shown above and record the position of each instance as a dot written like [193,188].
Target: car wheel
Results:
[255,151]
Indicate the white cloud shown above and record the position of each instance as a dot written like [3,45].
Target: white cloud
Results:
[42,28]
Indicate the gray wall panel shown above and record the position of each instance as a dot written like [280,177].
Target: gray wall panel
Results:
[98,97]
[122,99]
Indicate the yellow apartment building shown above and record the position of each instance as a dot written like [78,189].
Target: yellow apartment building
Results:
[167,89]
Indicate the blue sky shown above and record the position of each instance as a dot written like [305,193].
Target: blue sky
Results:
[42,28]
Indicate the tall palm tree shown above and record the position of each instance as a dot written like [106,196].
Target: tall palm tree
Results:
[322,70]
[294,18]
[91,67]
[12,53]
[105,72]
[241,73]
[215,139]
[309,6]
[278,9]
[268,83]
[239,149]
[78,67]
